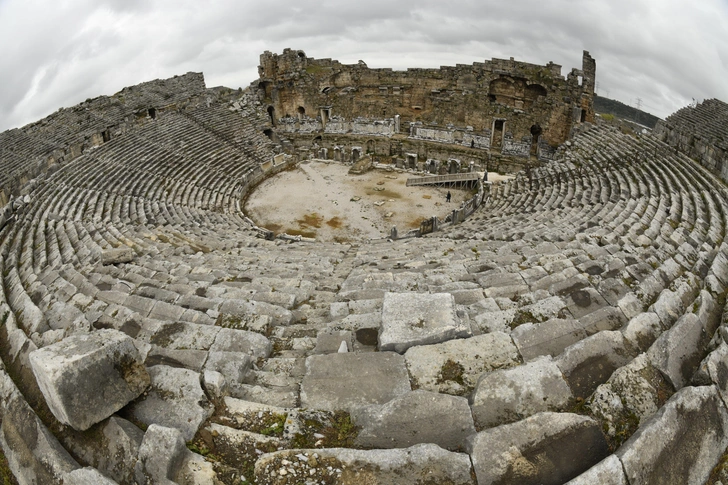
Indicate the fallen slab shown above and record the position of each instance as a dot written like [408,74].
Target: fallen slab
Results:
[507,395]
[416,417]
[410,319]
[175,400]
[348,380]
[454,367]
[425,463]
[681,443]
[546,448]
[87,378]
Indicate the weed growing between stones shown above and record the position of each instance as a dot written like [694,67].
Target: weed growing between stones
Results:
[6,476]
[451,371]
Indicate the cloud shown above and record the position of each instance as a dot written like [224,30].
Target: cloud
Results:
[59,53]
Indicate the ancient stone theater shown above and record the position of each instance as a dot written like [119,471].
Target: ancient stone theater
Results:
[563,324]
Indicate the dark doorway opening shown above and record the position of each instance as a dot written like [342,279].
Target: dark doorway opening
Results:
[153,113]
[498,129]
[535,135]
[271,114]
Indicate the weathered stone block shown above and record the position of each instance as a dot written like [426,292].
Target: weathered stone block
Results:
[454,367]
[425,463]
[160,456]
[416,417]
[505,396]
[87,378]
[117,256]
[607,472]
[410,319]
[348,380]
[547,448]
[681,443]
[589,363]
[175,400]
[86,476]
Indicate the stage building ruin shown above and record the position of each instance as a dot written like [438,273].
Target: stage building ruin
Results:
[506,107]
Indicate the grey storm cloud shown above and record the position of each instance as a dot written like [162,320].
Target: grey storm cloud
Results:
[58,53]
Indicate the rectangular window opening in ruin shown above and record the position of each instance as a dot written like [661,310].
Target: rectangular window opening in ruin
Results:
[583,116]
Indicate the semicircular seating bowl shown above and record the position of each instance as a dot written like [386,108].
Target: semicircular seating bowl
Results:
[571,329]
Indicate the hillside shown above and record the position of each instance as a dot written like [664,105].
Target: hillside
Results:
[621,110]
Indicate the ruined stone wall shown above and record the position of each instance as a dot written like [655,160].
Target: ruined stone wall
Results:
[502,104]
[701,132]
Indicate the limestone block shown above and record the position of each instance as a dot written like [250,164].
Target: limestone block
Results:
[34,455]
[507,395]
[215,384]
[548,448]
[607,472]
[330,341]
[86,476]
[424,463]
[160,456]
[548,338]
[111,447]
[184,336]
[679,351]
[86,378]
[242,308]
[410,319]
[117,256]
[681,443]
[454,367]
[175,400]
[349,380]
[232,365]
[232,340]
[643,329]
[590,362]
[416,417]
[635,390]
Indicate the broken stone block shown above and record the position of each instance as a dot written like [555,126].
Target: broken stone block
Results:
[86,476]
[160,456]
[117,256]
[88,377]
[425,463]
[34,455]
[232,340]
[111,447]
[507,395]
[215,384]
[548,338]
[232,365]
[607,472]
[175,400]
[454,367]
[410,319]
[681,443]
[679,351]
[348,380]
[416,417]
[546,448]
[589,363]
[330,341]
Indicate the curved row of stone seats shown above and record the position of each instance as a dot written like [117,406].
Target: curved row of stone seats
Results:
[235,333]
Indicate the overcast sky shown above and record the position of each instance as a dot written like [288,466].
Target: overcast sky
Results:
[57,53]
